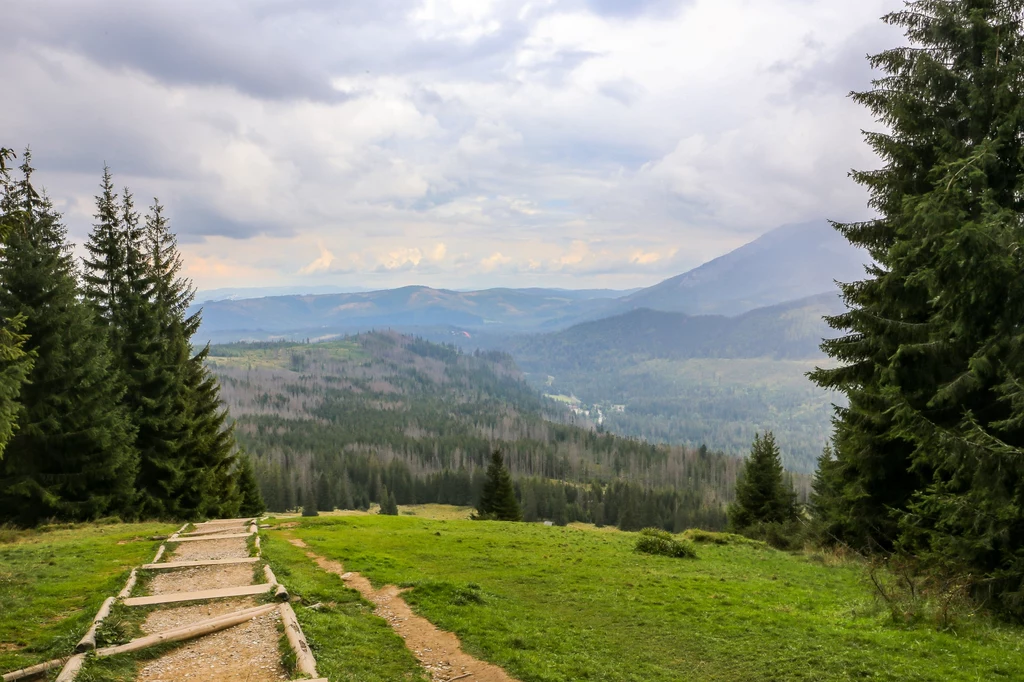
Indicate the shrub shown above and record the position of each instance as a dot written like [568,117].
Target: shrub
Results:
[660,542]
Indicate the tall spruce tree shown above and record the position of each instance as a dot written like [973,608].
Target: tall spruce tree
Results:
[207,446]
[762,494]
[250,498]
[929,450]
[498,497]
[15,361]
[72,456]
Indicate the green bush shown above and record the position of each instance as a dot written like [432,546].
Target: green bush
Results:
[660,542]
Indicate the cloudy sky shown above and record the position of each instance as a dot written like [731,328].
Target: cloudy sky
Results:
[457,143]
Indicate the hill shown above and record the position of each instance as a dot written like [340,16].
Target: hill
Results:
[338,422]
[670,377]
[788,263]
[404,308]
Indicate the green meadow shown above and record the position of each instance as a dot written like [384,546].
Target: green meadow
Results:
[53,580]
[554,604]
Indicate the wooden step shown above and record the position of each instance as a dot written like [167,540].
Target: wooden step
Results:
[211,531]
[222,593]
[228,536]
[193,564]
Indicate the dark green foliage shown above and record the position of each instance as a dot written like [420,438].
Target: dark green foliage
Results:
[762,494]
[309,507]
[930,451]
[15,362]
[659,542]
[498,498]
[388,504]
[186,448]
[447,412]
[250,499]
[72,457]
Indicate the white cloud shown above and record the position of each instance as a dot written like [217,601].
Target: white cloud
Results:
[457,142]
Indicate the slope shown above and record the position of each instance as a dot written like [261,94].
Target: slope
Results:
[347,423]
[788,263]
[670,377]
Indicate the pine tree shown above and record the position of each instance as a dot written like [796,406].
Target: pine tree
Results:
[251,500]
[762,495]
[15,361]
[72,457]
[498,497]
[309,503]
[929,450]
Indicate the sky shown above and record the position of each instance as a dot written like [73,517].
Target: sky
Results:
[450,143]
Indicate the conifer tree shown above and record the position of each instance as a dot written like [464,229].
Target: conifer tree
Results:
[251,501]
[929,450]
[498,497]
[15,361]
[762,495]
[72,456]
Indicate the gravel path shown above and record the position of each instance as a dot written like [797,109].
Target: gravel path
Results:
[234,548]
[244,653]
[201,578]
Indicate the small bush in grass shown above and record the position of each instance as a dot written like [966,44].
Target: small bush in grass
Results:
[660,542]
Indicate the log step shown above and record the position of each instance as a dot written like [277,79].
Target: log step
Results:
[221,593]
[228,536]
[193,564]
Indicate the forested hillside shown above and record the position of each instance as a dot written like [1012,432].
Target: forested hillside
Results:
[350,422]
[697,379]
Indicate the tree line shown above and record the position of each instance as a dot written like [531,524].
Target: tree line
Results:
[105,410]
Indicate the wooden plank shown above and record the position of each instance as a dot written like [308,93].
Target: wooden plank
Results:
[205,627]
[38,669]
[243,591]
[304,661]
[213,531]
[193,564]
[70,671]
[127,591]
[89,640]
[210,537]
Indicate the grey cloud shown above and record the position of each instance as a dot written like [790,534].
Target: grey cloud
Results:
[184,43]
[192,221]
[623,91]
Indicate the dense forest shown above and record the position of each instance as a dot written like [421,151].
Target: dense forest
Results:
[349,422]
[104,408]
[697,379]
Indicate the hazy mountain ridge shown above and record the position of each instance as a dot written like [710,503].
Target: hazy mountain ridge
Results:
[786,264]
[787,331]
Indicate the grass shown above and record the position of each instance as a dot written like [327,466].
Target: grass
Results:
[349,643]
[556,604]
[53,580]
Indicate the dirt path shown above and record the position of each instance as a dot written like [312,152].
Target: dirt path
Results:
[439,652]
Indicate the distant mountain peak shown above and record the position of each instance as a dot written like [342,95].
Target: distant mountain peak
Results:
[787,263]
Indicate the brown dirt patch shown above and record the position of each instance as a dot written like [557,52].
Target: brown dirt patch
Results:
[233,548]
[200,578]
[439,652]
[243,653]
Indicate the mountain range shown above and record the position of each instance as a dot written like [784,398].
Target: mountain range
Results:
[712,356]
[786,264]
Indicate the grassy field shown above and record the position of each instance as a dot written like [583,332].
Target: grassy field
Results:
[53,580]
[558,604]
